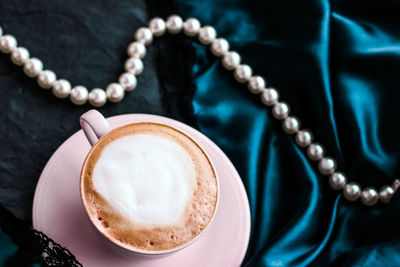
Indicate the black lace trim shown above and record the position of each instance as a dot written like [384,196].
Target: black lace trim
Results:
[53,254]
[33,246]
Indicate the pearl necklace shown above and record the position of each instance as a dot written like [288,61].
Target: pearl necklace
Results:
[231,60]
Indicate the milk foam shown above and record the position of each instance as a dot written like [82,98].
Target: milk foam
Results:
[148,179]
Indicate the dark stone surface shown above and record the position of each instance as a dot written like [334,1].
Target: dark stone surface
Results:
[85,43]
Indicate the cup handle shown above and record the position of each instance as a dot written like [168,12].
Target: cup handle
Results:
[94,125]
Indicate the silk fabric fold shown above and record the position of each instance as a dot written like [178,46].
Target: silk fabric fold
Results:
[337,65]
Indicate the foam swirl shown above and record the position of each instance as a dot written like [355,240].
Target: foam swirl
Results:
[147,178]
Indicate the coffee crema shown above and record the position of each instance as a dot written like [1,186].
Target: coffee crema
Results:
[149,187]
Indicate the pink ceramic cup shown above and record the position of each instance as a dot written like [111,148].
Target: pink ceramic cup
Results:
[95,126]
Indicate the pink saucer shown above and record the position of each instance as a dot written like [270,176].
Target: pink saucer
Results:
[58,211]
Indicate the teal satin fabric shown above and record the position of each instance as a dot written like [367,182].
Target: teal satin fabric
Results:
[9,252]
[338,66]
[8,248]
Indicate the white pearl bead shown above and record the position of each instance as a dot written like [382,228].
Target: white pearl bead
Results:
[174,24]
[97,97]
[256,84]
[242,73]
[291,125]
[207,34]
[269,97]
[7,43]
[219,47]
[33,66]
[327,165]
[128,81]
[19,56]
[136,49]
[191,27]
[352,191]
[61,88]
[79,95]
[157,26]
[231,60]
[144,35]
[134,65]
[337,180]
[304,138]
[115,92]
[386,193]
[396,185]
[315,151]
[369,196]
[280,110]
[46,79]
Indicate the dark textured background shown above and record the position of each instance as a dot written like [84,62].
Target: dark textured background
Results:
[84,42]
[335,62]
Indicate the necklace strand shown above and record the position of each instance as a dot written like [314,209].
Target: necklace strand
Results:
[231,60]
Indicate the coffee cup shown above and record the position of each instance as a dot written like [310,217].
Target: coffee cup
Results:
[148,188]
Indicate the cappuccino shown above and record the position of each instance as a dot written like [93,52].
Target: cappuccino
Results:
[149,187]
